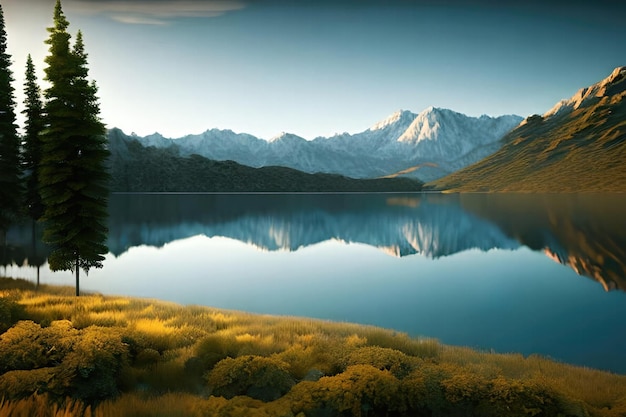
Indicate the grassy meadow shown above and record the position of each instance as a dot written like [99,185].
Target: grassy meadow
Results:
[118,356]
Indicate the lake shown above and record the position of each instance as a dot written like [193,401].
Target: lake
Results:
[536,274]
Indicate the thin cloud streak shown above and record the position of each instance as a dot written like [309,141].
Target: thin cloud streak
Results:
[154,12]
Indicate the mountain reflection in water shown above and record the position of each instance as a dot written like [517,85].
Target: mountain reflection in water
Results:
[465,269]
[585,232]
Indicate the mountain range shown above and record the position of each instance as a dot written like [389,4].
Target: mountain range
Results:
[426,146]
[136,168]
[577,146]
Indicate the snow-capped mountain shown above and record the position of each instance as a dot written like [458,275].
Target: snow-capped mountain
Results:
[426,145]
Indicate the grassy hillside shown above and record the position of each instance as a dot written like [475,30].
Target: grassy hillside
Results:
[579,151]
[135,168]
[117,356]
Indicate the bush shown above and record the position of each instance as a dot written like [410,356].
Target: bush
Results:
[10,311]
[449,390]
[360,390]
[22,384]
[385,359]
[91,371]
[323,355]
[28,346]
[147,358]
[261,378]
[212,349]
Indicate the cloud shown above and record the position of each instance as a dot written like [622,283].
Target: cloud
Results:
[153,12]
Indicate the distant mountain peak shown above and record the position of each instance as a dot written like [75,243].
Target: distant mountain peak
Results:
[277,137]
[432,110]
[398,116]
[286,137]
[438,124]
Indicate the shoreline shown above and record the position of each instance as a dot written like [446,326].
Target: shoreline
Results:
[126,354]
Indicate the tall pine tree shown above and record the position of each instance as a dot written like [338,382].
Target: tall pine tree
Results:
[73,175]
[33,110]
[11,189]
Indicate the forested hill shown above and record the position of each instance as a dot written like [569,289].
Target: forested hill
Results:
[135,168]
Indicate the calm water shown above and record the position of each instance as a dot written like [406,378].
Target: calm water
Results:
[539,274]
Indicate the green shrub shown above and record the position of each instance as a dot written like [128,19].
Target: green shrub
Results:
[22,384]
[300,359]
[90,372]
[319,353]
[521,398]
[265,379]
[212,349]
[399,364]
[422,390]
[147,357]
[359,391]
[10,311]
[29,346]
[450,390]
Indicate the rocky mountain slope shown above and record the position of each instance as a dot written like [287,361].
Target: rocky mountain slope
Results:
[577,146]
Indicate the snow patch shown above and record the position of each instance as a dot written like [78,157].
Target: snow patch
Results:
[394,118]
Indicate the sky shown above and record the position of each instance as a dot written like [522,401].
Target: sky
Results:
[316,68]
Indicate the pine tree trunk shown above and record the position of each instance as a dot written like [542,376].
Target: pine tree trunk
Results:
[34,242]
[3,235]
[77,273]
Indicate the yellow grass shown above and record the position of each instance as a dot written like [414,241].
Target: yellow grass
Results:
[159,357]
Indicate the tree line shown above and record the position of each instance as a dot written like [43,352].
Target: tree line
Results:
[55,173]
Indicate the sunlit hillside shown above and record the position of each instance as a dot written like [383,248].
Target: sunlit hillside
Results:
[579,146]
[116,356]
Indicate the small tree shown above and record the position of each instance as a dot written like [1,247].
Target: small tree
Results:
[32,143]
[11,189]
[73,176]
[33,110]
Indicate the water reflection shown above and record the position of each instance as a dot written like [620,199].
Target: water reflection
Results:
[466,269]
[399,225]
[585,232]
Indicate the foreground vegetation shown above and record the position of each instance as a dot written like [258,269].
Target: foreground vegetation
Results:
[116,356]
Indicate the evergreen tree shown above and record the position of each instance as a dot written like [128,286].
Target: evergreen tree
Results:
[73,176]
[11,189]
[32,144]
